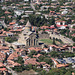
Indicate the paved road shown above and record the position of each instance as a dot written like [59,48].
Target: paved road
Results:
[4,25]
[32,6]
[13,72]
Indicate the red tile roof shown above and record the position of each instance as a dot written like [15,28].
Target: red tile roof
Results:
[2,56]
[12,56]
[3,69]
[44,27]
[11,23]
[61,65]
[12,63]
[1,64]
[7,12]
[35,48]
[31,61]
[37,55]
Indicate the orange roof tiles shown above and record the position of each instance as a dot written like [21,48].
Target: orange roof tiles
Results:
[11,23]
[17,30]
[3,69]
[12,56]
[42,63]
[26,57]
[73,73]
[37,55]
[7,12]
[44,27]
[4,48]
[35,48]
[1,64]
[31,61]
[61,65]
[2,56]
[12,63]
[54,60]
[2,35]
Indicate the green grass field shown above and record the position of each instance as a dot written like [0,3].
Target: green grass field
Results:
[48,41]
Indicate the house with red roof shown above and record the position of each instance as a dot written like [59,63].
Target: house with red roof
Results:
[12,23]
[59,22]
[44,27]
[13,56]
[31,61]
[26,58]
[1,65]
[2,57]
[46,67]
[11,63]
[37,49]
[37,56]
[7,12]
[3,71]
[16,30]
[56,64]
[73,35]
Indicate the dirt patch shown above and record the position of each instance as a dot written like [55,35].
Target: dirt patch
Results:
[31,72]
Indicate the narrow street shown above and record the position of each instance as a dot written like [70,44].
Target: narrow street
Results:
[4,25]
[31,4]
[13,72]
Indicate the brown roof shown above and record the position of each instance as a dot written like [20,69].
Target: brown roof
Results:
[42,63]
[37,55]
[4,48]
[12,56]
[26,57]
[11,23]
[12,63]
[1,64]
[35,48]
[61,65]
[3,69]
[7,12]
[2,56]
[31,61]
[2,35]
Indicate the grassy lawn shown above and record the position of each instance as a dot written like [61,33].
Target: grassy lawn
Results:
[48,41]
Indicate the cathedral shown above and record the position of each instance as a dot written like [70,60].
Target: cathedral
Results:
[27,37]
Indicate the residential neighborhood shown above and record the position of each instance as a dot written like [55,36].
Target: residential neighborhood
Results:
[37,37]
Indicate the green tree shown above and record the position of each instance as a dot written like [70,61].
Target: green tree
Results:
[6,29]
[68,73]
[54,54]
[43,72]
[73,39]
[48,61]
[74,44]
[41,58]
[33,52]
[52,21]
[8,39]
[69,21]
[20,60]
[73,27]
[54,41]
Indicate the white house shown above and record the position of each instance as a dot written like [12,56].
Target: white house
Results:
[59,22]
[18,12]
[29,12]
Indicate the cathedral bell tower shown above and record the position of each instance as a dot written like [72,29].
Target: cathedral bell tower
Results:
[28,27]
